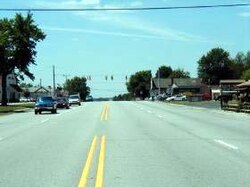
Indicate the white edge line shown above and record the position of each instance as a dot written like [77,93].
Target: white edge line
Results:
[226,144]
[159,116]
[149,111]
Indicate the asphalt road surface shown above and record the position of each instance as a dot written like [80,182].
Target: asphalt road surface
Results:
[134,144]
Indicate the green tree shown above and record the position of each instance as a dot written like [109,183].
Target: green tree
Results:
[238,65]
[18,39]
[246,74]
[180,73]
[164,72]
[247,65]
[214,66]
[77,85]
[139,84]
[25,85]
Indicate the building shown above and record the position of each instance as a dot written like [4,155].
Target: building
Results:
[12,88]
[174,86]
[35,92]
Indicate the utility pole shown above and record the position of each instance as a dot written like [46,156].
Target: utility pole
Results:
[159,87]
[66,76]
[54,81]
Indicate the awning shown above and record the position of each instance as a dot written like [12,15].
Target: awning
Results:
[244,84]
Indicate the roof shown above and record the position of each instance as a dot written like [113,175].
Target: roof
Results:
[164,83]
[232,81]
[244,84]
[187,82]
[36,89]
[179,82]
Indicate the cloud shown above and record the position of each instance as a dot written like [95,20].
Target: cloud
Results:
[136,24]
[125,20]
[67,3]
[88,31]
[136,3]
[245,14]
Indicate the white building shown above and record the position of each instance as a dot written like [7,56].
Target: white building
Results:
[13,90]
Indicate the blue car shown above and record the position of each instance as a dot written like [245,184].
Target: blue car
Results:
[45,104]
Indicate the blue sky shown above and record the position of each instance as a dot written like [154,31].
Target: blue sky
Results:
[121,43]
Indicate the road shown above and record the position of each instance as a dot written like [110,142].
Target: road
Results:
[113,144]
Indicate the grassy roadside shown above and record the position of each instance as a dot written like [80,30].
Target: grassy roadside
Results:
[15,108]
[196,104]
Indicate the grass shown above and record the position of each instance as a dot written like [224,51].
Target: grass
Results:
[199,103]
[15,108]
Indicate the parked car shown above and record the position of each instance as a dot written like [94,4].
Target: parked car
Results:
[177,98]
[62,102]
[45,104]
[206,97]
[23,99]
[74,99]
[161,97]
[89,98]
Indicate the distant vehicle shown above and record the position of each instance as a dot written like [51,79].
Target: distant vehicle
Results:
[23,99]
[62,102]
[89,98]
[74,99]
[32,99]
[177,98]
[161,97]
[206,97]
[45,104]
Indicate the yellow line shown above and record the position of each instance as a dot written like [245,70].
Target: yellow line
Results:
[103,112]
[107,112]
[85,173]
[99,176]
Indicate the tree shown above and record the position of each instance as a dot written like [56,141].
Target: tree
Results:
[238,65]
[247,65]
[77,85]
[123,97]
[214,66]
[246,74]
[164,72]
[25,85]
[180,73]
[139,83]
[18,39]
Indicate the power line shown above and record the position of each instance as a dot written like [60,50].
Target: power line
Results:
[124,9]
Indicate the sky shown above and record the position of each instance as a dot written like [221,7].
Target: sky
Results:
[120,43]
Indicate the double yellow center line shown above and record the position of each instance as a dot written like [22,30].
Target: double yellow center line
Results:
[100,169]
[105,112]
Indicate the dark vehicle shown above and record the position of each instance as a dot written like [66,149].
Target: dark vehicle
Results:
[45,104]
[62,102]
[89,99]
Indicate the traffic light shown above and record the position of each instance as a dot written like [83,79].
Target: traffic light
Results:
[112,78]
[106,77]
[126,77]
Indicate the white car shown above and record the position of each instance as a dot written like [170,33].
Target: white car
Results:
[177,98]
[23,99]
[74,99]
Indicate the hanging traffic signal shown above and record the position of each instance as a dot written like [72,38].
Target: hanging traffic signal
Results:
[112,78]
[106,77]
